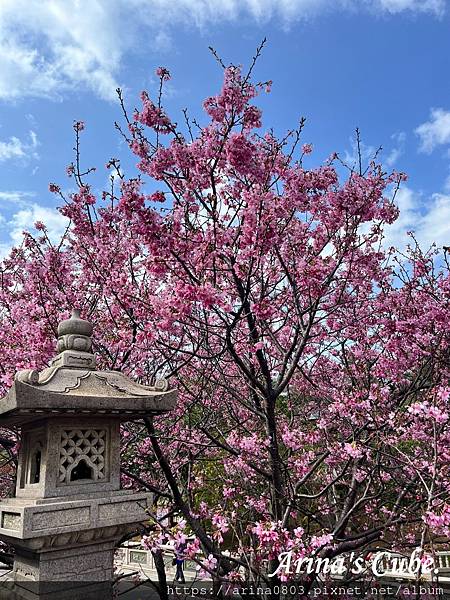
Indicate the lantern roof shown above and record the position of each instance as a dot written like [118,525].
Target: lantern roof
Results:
[72,385]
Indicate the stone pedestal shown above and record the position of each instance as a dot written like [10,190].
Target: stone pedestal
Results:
[69,512]
[69,540]
[10,590]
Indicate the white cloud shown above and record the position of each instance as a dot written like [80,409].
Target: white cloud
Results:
[429,220]
[434,132]
[435,226]
[24,220]
[48,47]
[11,149]
[23,213]
[14,148]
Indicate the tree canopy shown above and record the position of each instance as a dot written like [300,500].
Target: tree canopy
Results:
[312,362]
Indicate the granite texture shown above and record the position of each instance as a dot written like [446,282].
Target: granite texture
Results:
[62,516]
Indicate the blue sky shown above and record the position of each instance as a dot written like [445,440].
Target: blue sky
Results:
[381,65]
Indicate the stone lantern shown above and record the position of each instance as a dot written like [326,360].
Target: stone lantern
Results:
[69,512]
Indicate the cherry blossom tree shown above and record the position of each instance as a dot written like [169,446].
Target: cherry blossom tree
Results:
[312,362]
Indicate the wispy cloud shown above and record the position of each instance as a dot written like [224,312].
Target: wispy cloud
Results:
[397,150]
[15,197]
[434,132]
[49,47]
[395,6]
[429,219]
[387,154]
[14,148]
[205,11]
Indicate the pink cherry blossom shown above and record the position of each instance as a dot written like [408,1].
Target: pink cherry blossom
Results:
[311,363]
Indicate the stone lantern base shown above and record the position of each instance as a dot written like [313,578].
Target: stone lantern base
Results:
[10,590]
[64,548]
[65,567]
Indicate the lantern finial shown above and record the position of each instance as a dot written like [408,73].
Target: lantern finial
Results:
[74,335]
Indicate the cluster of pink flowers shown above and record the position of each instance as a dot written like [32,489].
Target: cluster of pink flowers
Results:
[152,116]
[428,411]
[207,566]
[307,359]
[352,450]
[163,73]
[439,520]
[221,526]
[234,98]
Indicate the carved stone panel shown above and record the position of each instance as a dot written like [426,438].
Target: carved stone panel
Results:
[118,510]
[61,518]
[82,455]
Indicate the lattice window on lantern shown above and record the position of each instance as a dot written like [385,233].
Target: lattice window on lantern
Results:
[82,455]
